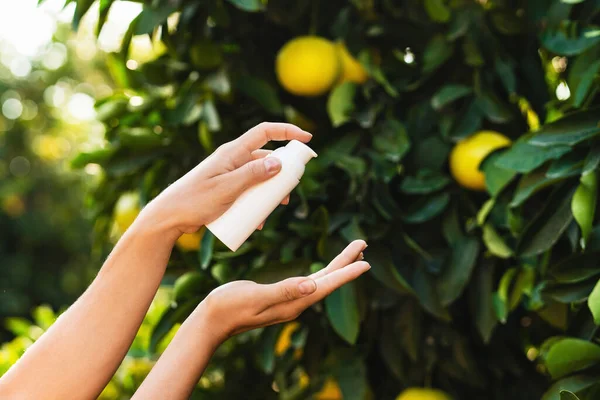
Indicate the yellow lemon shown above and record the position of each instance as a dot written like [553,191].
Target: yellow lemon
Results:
[285,339]
[126,210]
[469,153]
[331,391]
[422,394]
[13,205]
[307,65]
[304,380]
[352,70]
[190,241]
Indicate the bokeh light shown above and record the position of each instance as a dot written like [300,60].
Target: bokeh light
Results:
[12,108]
[19,166]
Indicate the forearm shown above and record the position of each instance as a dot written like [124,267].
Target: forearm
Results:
[192,347]
[81,351]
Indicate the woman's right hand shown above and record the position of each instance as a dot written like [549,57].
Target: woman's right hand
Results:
[240,306]
[208,190]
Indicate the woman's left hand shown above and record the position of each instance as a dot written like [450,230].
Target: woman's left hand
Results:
[244,305]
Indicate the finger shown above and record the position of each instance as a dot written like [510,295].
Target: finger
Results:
[250,174]
[288,290]
[263,133]
[325,286]
[262,225]
[347,256]
[260,153]
[286,201]
[334,280]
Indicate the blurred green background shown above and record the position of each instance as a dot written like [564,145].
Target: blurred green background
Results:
[482,286]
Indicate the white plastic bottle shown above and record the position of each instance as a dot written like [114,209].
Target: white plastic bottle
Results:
[256,203]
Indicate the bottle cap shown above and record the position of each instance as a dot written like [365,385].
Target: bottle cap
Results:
[299,151]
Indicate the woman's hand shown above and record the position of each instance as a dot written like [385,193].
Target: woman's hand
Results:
[208,190]
[237,307]
[244,305]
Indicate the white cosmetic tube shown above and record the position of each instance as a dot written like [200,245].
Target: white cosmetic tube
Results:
[253,207]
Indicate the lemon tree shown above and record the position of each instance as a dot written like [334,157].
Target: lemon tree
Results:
[483,245]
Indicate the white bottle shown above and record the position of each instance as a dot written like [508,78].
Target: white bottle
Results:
[256,203]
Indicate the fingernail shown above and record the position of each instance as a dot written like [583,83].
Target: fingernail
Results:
[272,164]
[307,287]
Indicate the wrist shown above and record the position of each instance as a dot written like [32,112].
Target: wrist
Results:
[151,221]
[209,325]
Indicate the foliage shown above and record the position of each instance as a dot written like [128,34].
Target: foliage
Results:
[134,367]
[481,295]
[44,238]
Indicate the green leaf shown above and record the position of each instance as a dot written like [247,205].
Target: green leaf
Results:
[342,311]
[248,5]
[353,231]
[266,348]
[507,22]
[485,210]
[570,355]
[583,204]
[392,140]
[151,18]
[205,252]
[569,130]
[425,182]
[560,42]
[456,275]
[459,25]
[99,156]
[576,268]
[570,293]
[206,55]
[438,10]
[351,376]
[574,384]
[592,160]
[425,290]
[467,122]
[448,94]
[494,243]
[472,52]
[261,91]
[548,226]
[496,178]
[481,300]
[493,107]
[582,74]
[568,165]
[594,303]
[531,184]
[340,104]
[565,394]
[505,69]
[383,269]
[525,157]
[437,52]
[81,8]
[426,208]
[103,10]
[211,116]
[141,138]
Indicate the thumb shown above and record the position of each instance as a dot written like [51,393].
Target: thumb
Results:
[253,172]
[291,289]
